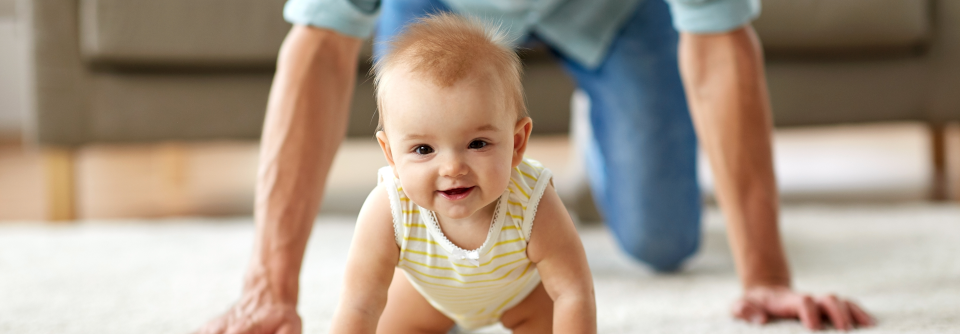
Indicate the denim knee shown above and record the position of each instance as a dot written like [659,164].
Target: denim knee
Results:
[661,254]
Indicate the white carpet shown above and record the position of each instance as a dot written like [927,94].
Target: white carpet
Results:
[899,261]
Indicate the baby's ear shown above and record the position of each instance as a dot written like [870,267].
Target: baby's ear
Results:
[521,134]
[385,147]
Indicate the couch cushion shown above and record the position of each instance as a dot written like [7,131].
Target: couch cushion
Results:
[843,26]
[830,92]
[7,8]
[182,32]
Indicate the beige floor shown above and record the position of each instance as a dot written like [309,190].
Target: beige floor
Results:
[128,276]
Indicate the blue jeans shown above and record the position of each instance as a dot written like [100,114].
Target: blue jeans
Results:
[642,164]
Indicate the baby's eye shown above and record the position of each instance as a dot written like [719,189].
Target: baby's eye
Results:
[423,150]
[478,144]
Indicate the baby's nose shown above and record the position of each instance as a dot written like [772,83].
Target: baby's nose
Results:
[453,166]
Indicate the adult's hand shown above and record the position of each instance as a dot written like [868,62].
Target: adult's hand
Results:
[257,312]
[760,304]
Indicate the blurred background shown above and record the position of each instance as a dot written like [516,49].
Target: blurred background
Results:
[116,108]
[121,110]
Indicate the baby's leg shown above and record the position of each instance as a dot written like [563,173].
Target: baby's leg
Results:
[533,315]
[408,312]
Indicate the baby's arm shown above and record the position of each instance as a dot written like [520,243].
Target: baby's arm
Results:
[370,264]
[556,249]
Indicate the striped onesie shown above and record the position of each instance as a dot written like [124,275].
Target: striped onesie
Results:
[471,287]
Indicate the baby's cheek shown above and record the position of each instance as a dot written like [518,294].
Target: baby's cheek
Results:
[414,188]
[420,196]
[503,180]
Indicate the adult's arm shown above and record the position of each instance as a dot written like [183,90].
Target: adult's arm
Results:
[726,87]
[306,120]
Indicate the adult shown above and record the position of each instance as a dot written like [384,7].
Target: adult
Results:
[624,55]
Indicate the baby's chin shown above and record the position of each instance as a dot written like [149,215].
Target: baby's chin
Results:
[462,211]
[457,212]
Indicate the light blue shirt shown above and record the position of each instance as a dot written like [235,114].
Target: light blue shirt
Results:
[580,29]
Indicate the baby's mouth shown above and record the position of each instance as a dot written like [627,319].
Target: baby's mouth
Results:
[456,193]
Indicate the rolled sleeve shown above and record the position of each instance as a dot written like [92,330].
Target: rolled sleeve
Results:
[712,16]
[340,15]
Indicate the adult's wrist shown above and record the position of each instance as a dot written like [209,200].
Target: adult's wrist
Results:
[272,284]
[768,280]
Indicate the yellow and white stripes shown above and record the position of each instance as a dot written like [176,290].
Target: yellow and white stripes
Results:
[472,295]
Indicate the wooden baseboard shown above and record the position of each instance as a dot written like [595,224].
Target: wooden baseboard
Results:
[36,183]
[148,180]
[59,178]
[115,181]
[22,189]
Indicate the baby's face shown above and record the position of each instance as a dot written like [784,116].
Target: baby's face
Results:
[452,148]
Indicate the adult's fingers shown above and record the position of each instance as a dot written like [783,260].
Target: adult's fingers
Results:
[859,315]
[808,312]
[748,311]
[837,311]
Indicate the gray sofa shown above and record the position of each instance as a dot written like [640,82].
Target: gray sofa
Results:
[134,70]
[862,60]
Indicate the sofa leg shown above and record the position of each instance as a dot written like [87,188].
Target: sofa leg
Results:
[939,190]
[950,161]
[58,171]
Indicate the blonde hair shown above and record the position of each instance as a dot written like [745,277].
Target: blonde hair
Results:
[446,48]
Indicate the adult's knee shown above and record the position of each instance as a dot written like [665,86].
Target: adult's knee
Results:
[660,229]
[661,254]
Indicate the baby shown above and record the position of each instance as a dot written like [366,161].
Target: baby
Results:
[462,229]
